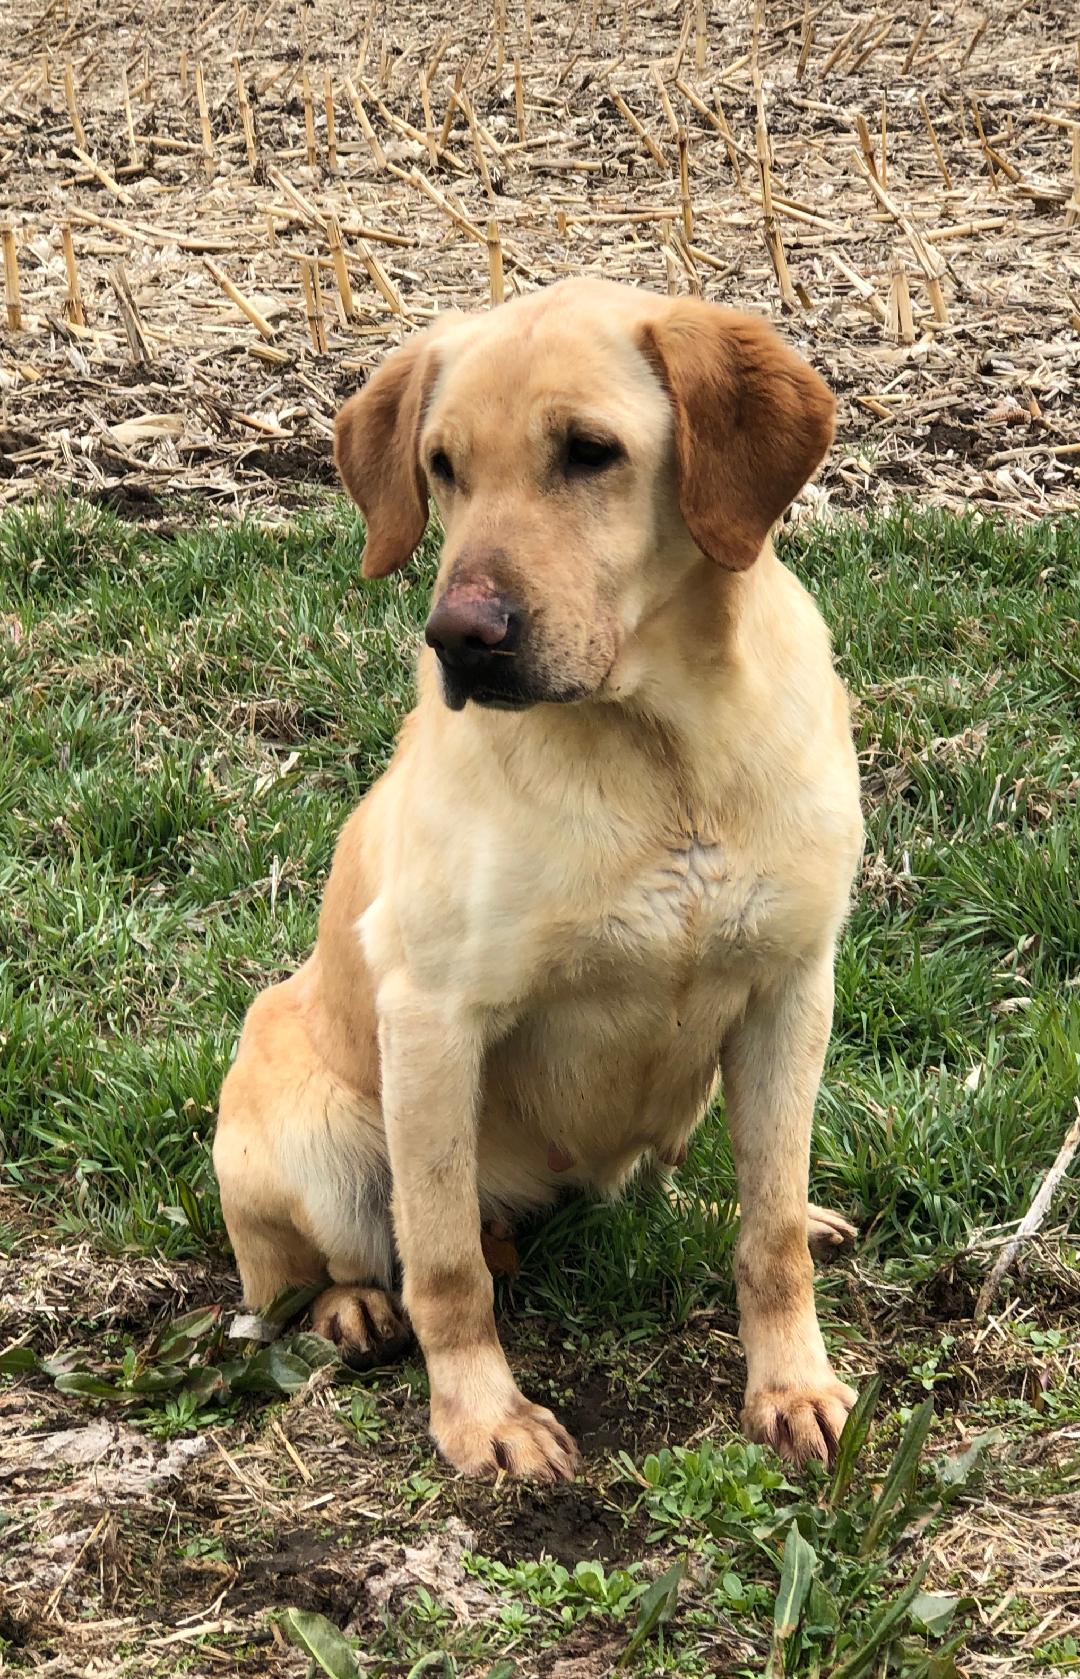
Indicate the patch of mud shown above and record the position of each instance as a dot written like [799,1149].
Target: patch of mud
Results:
[303,1570]
[587,1653]
[610,1413]
[572,1523]
[358,1581]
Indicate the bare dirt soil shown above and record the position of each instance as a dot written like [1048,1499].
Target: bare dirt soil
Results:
[125,1552]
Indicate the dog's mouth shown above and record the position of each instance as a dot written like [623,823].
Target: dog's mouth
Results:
[459,692]
[501,702]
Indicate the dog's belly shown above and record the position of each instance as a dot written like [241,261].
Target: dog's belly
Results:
[594,1077]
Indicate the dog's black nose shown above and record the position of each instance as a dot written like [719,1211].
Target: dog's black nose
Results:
[470,629]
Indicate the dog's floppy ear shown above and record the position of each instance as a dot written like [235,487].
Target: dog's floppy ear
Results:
[752,421]
[377,451]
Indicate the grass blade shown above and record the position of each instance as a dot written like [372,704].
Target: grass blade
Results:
[428,1662]
[852,1440]
[198,1219]
[881,1629]
[955,1471]
[796,1578]
[657,1606]
[935,1610]
[18,1361]
[896,1487]
[289,1302]
[800,1560]
[178,1339]
[85,1383]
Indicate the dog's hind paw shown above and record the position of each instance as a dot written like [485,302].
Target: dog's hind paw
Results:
[363,1323]
[828,1232]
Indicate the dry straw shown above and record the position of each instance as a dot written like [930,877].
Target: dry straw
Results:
[313,303]
[247,121]
[900,324]
[11,278]
[73,303]
[138,345]
[309,120]
[73,109]
[204,119]
[129,119]
[495,262]
[341,268]
[244,304]
[331,122]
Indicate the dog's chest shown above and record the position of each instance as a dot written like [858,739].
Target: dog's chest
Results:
[690,901]
[697,894]
[617,1047]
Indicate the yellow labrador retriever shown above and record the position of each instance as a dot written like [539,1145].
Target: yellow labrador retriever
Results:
[607,864]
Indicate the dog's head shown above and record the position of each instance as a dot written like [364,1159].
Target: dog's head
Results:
[586,446]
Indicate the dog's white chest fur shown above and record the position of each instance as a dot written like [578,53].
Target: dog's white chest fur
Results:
[700,896]
[691,901]
[617,1048]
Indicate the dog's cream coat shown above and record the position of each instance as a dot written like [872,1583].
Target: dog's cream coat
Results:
[549,930]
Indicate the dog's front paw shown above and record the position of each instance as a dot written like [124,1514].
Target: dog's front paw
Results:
[800,1423]
[520,1438]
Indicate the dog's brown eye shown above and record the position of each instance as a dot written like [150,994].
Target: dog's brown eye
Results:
[440,467]
[591,454]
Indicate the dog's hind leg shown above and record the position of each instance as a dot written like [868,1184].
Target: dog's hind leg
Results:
[269,1256]
[305,1188]
[350,1211]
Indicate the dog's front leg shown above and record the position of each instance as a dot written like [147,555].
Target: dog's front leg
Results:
[431,1067]
[771,1065]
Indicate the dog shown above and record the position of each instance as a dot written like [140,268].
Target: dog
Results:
[605,870]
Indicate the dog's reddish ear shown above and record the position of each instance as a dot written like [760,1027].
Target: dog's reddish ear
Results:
[752,421]
[376,448]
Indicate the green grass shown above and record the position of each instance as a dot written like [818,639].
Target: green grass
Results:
[185,722]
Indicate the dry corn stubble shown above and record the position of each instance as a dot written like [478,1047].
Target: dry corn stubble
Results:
[789,163]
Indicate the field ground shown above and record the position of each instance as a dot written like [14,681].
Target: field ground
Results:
[922,247]
[185,719]
[186,716]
